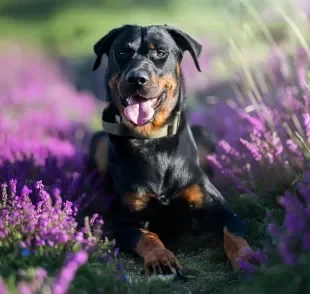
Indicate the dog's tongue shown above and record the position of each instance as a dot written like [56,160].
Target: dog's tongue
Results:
[139,111]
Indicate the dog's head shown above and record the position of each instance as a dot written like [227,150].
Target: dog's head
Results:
[144,71]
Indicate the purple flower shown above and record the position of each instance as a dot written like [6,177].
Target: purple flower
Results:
[256,142]
[116,252]
[306,242]
[41,273]
[43,146]
[293,237]
[68,272]
[289,256]
[24,288]
[80,257]
[3,287]
[247,267]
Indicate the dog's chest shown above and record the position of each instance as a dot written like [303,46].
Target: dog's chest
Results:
[159,168]
[142,167]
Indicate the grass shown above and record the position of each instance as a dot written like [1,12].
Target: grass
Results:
[207,271]
[203,257]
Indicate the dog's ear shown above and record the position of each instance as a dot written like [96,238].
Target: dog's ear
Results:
[186,42]
[104,44]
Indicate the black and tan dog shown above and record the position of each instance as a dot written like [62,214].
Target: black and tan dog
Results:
[150,154]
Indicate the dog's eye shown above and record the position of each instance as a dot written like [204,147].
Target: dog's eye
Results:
[160,53]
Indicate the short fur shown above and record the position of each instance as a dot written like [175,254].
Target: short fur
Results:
[159,184]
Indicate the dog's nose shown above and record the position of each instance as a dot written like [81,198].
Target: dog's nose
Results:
[139,78]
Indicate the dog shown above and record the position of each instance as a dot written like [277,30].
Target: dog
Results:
[148,153]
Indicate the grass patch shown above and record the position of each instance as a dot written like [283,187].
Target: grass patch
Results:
[203,259]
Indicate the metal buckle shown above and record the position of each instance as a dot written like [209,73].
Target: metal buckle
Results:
[173,128]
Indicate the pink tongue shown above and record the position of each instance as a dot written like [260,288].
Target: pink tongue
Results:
[140,111]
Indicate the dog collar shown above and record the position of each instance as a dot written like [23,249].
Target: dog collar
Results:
[119,129]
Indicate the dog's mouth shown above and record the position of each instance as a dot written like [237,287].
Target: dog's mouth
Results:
[140,110]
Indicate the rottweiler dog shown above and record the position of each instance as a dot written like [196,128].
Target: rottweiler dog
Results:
[149,153]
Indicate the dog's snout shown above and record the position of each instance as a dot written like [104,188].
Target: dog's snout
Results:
[137,77]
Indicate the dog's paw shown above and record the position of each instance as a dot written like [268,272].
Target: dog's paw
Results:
[161,261]
[237,249]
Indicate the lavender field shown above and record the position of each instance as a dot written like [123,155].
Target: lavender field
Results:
[259,117]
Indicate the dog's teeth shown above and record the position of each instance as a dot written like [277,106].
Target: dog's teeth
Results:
[129,101]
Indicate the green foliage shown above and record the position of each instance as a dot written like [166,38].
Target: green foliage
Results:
[278,279]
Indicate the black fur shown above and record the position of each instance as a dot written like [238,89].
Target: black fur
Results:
[164,166]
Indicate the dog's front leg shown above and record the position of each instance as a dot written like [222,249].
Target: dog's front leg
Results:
[131,237]
[157,259]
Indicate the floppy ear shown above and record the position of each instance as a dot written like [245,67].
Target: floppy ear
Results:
[186,42]
[104,44]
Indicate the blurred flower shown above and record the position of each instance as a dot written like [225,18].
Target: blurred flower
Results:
[292,238]
[67,273]
[41,113]
[3,287]
[271,140]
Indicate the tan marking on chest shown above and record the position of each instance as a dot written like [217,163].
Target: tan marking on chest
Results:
[137,201]
[193,195]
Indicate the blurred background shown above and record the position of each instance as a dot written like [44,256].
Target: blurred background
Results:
[67,30]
